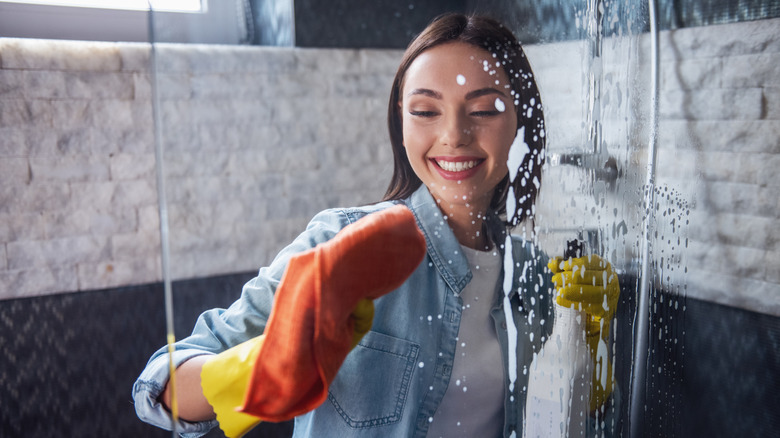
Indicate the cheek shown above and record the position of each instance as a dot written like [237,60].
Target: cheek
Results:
[412,144]
[414,136]
[407,126]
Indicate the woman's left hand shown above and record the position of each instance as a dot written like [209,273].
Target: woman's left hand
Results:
[589,284]
[586,283]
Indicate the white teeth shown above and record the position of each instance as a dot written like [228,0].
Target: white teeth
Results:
[458,166]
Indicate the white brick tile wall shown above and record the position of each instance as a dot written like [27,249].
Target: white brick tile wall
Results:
[722,40]
[14,170]
[754,70]
[229,86]
[118,272]
[21,226]
[89,221]
[692,74]
[771,104]
[37,196]
[733,232]
[747,136]
[33,281]
[57,252]
[717,104]
[21,113]
[69,168]
[99,85]
[134,58]
[11,84]
[131,166]
[43,84]
[135,244]
[148,219]
[134,193]
[55,55]
[173,86]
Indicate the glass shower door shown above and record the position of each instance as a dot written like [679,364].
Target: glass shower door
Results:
[600,188]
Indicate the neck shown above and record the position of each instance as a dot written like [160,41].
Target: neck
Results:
[468,224]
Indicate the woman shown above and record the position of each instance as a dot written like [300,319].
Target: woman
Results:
[451,337]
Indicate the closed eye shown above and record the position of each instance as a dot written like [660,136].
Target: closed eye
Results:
[422,113]
[485,113]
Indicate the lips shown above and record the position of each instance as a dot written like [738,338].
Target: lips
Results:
[456,168]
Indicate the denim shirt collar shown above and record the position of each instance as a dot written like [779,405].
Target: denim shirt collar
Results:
[443,247]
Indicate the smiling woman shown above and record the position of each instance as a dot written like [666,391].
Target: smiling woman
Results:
[500,78]
[456,138]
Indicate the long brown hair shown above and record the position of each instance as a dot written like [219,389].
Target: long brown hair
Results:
[490,35]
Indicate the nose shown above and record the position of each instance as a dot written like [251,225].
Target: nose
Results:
[456,131]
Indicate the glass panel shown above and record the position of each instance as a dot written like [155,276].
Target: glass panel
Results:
[250,139]
[596,98]
[600,188]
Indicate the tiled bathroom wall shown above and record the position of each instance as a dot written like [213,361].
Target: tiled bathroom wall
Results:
[256,140]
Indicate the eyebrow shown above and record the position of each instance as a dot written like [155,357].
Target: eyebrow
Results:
[483,92]
[470,95]
[425,92]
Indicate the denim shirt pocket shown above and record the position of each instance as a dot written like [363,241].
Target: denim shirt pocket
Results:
[373,383]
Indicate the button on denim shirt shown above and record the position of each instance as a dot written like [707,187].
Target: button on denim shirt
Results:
[391,383]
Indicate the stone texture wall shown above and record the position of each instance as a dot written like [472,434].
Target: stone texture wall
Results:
[717,205]
[256,140]
[78,204]
[720,137]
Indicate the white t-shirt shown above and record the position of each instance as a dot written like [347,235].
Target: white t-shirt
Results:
[473,405]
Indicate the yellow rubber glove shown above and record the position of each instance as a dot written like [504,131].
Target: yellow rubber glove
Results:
[224,379]
[225,376]
[589,284]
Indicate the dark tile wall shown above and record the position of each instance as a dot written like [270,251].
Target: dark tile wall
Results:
[731,372]
[392,23]
[712,370]
[68,362]
[365,23]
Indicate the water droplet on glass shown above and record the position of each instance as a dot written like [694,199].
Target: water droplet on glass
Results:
[500,106]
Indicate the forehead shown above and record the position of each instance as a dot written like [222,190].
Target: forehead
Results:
[455,63]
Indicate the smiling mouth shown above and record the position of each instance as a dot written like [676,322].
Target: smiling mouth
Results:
[457,166]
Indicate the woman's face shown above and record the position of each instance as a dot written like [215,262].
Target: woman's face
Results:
[459,122]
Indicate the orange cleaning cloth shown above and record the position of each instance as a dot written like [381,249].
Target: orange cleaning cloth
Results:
[310,330]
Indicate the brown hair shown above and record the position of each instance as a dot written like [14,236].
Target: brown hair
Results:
[492,36]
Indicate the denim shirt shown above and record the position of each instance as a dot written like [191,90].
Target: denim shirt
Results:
[391,384]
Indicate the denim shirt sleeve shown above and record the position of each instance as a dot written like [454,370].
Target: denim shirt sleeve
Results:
[217,330]
[149,386]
